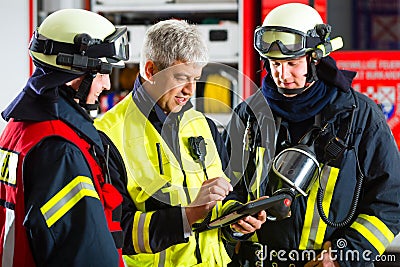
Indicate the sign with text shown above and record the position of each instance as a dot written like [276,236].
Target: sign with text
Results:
[378,76]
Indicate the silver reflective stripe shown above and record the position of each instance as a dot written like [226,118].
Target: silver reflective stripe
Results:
[161,259]
[70,195]
[316,218]
[375,231]
[140,232]
[312,230]
[9,238]
[261,171]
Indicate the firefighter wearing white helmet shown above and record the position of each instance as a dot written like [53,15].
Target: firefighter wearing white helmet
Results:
[58,203]
[332,152]
[293,30]
[81,42]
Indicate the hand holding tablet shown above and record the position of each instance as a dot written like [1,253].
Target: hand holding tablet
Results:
[251,208]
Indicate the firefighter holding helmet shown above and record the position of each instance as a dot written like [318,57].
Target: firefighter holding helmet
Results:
[58,204]
[349,203]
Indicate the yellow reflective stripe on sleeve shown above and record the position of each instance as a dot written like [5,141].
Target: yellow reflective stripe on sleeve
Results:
[146,236]
[66,198]
[135,227]
[374,230]
[379,225]
[140,232]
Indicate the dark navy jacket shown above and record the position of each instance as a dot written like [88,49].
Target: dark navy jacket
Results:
[81,237]
[371,140]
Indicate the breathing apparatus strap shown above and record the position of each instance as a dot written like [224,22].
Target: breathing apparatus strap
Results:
[333,150]
[278,122]
[249,152]
[306,137]
[312,134]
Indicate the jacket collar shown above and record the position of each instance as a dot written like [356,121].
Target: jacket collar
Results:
[341,105]
[38,99]
[71,113]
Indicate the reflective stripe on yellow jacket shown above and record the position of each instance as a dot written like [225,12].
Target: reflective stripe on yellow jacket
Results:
[143,149]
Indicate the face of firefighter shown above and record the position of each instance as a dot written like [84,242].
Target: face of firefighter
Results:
[289,74]
[100,83]
[173,87]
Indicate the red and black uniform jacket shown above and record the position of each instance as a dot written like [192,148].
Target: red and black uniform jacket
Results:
[57,208]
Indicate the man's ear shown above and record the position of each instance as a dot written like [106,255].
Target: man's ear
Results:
[150,69]
[75,83]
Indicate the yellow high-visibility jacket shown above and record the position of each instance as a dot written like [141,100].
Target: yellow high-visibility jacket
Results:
[159,184]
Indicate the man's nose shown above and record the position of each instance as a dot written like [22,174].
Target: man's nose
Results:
[106,82]
[190,87]
[283,71]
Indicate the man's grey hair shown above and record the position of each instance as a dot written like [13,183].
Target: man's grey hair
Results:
[173,40]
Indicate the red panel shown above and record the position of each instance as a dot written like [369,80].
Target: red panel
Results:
[87,5]
[250,56]
[378,76]
[321,7]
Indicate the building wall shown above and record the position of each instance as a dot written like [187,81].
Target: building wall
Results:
[14,67]
[341,25]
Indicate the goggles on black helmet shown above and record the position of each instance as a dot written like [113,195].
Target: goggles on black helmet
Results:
[289,41]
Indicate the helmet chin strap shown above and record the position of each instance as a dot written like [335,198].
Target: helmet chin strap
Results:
[311,76]
[83,92]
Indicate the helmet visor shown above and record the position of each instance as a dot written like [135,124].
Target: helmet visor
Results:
[288,41]
[120,43]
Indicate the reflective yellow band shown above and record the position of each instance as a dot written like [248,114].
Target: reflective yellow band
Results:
[67,197]
[259,171]
[326,205]
[314,228]
[374,230]
[308,218]
[140,232]
[9,164]
[238,175]
[227,205]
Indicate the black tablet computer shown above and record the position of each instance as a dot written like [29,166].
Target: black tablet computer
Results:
[250,208]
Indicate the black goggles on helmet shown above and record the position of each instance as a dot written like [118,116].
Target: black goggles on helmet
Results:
[115,47]
[289,41]
[117,44]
